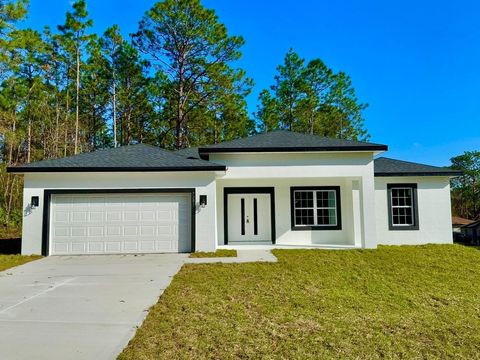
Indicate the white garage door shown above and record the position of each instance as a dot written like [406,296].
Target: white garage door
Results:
[119,223]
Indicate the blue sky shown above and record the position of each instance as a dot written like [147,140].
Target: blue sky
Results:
[417,63]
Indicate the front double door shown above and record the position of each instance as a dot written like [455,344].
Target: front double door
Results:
[249,218]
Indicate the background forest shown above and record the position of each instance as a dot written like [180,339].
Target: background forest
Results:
[174,84]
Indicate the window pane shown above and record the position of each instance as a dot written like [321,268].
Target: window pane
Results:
[402,206]
[326,217]
[304,217]
[331,199]
[332,214]
[326,199]
[303,199]
[315,207]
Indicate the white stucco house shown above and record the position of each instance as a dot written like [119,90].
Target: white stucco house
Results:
[277,189]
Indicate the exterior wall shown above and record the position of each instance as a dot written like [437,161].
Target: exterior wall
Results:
[304,165]
[363,198]
[353,172]
[434,212]
[284,234]
[35,184]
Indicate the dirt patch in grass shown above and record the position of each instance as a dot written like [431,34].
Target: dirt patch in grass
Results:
[9,261]
[218,253]
[409,302]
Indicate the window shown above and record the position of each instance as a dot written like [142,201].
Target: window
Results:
[402,206]
[315,208]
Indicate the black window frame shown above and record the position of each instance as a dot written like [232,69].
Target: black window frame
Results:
[294,227]
[391,225]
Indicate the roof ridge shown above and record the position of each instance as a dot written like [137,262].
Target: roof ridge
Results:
[133,157]
[280,140]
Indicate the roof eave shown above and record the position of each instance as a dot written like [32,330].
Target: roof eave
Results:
[293,149]
[437,173]
[24,170]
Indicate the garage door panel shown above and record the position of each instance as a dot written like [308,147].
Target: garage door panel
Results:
[147,230]
[79,231]
[79,248]
[60,231]
[130,230]
[131,215]
[96,247]
[130,246]
[127,223]
[148,215]
[114,216]
[114,230]
[94,231]
[165,246]
[61,216]
[113,247]
[79,216]
[96,216]
[147,245]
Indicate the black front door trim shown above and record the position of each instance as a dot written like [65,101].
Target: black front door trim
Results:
[47,194]
[248,190]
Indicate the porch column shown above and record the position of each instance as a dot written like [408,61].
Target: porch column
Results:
[369,238]
[357,213]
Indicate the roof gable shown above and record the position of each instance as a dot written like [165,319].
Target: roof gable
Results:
[286,141]
[138,157]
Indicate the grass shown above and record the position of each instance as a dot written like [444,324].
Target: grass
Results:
[218,253]
[394,302]
[9,261]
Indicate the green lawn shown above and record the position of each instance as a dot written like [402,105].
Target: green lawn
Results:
[394,302]
[8,261]
[218,253]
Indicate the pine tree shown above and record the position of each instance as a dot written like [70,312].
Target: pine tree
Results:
[313,99]
[194,50]
[75,37]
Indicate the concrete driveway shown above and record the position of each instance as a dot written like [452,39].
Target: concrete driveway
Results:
[79,307]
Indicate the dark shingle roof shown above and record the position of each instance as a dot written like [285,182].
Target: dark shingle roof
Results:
[189,153]
[474,224]
[281,140]
[138,157]
[391,167]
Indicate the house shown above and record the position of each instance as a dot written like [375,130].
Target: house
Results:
[472,232]
[280,189]
[458,222]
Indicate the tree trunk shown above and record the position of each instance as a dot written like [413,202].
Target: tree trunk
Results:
[66,126]
[77,100]
[57,130]
[114,101]
[94,126]
[29,140]
[14,131]
[312,116]
[180,105]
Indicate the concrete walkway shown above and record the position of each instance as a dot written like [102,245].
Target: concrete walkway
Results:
[243,256]
[79,307]
[86,307]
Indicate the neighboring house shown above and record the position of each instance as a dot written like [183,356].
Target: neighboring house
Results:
[472,232]
[278,188]
[458,222]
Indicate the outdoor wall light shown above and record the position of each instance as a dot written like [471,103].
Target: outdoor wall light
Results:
[34,202]
[203,200]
